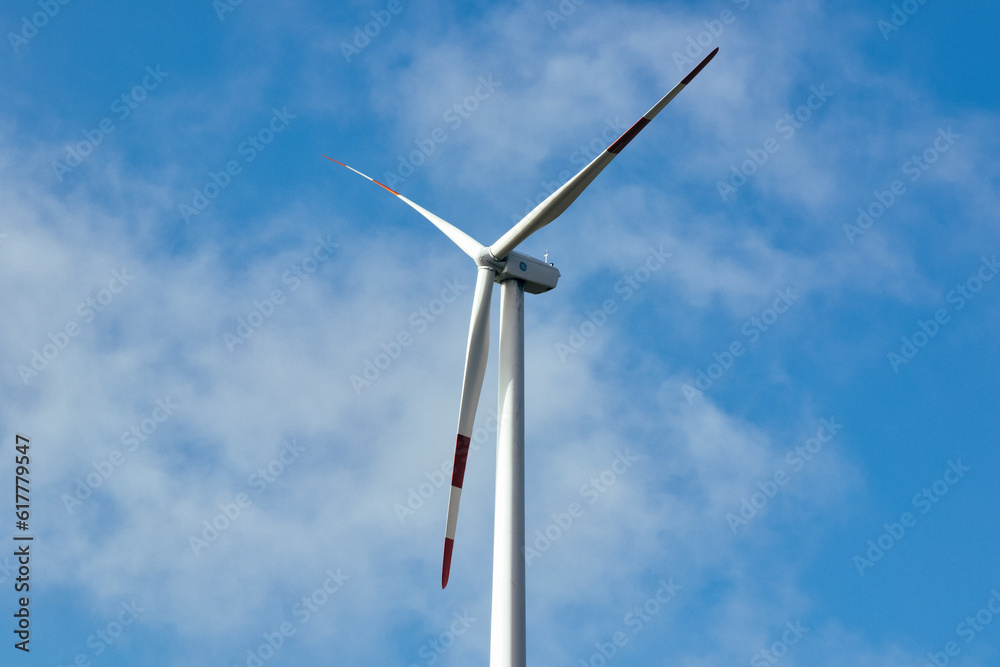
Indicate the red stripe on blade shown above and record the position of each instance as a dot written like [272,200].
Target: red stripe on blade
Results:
[628,136]
[386,187]
[359,173]
[446,567]
[700,67]
[461,456]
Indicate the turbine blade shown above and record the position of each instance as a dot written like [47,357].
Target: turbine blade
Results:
[469,245]
[559,201]
[475,367]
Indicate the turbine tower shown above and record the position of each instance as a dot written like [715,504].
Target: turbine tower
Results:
[517,274]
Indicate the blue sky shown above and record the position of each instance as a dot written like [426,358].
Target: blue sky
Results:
[761,404]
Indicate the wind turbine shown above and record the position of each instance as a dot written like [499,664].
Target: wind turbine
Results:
[516,274]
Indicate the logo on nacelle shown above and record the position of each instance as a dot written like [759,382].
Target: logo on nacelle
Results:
[524,266]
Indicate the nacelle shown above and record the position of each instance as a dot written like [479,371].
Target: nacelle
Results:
[536,275]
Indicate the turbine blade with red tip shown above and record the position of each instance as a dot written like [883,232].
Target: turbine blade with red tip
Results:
[553,206]
[469,245]
[475,367]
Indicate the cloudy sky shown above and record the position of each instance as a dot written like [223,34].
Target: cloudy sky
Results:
[761,405]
